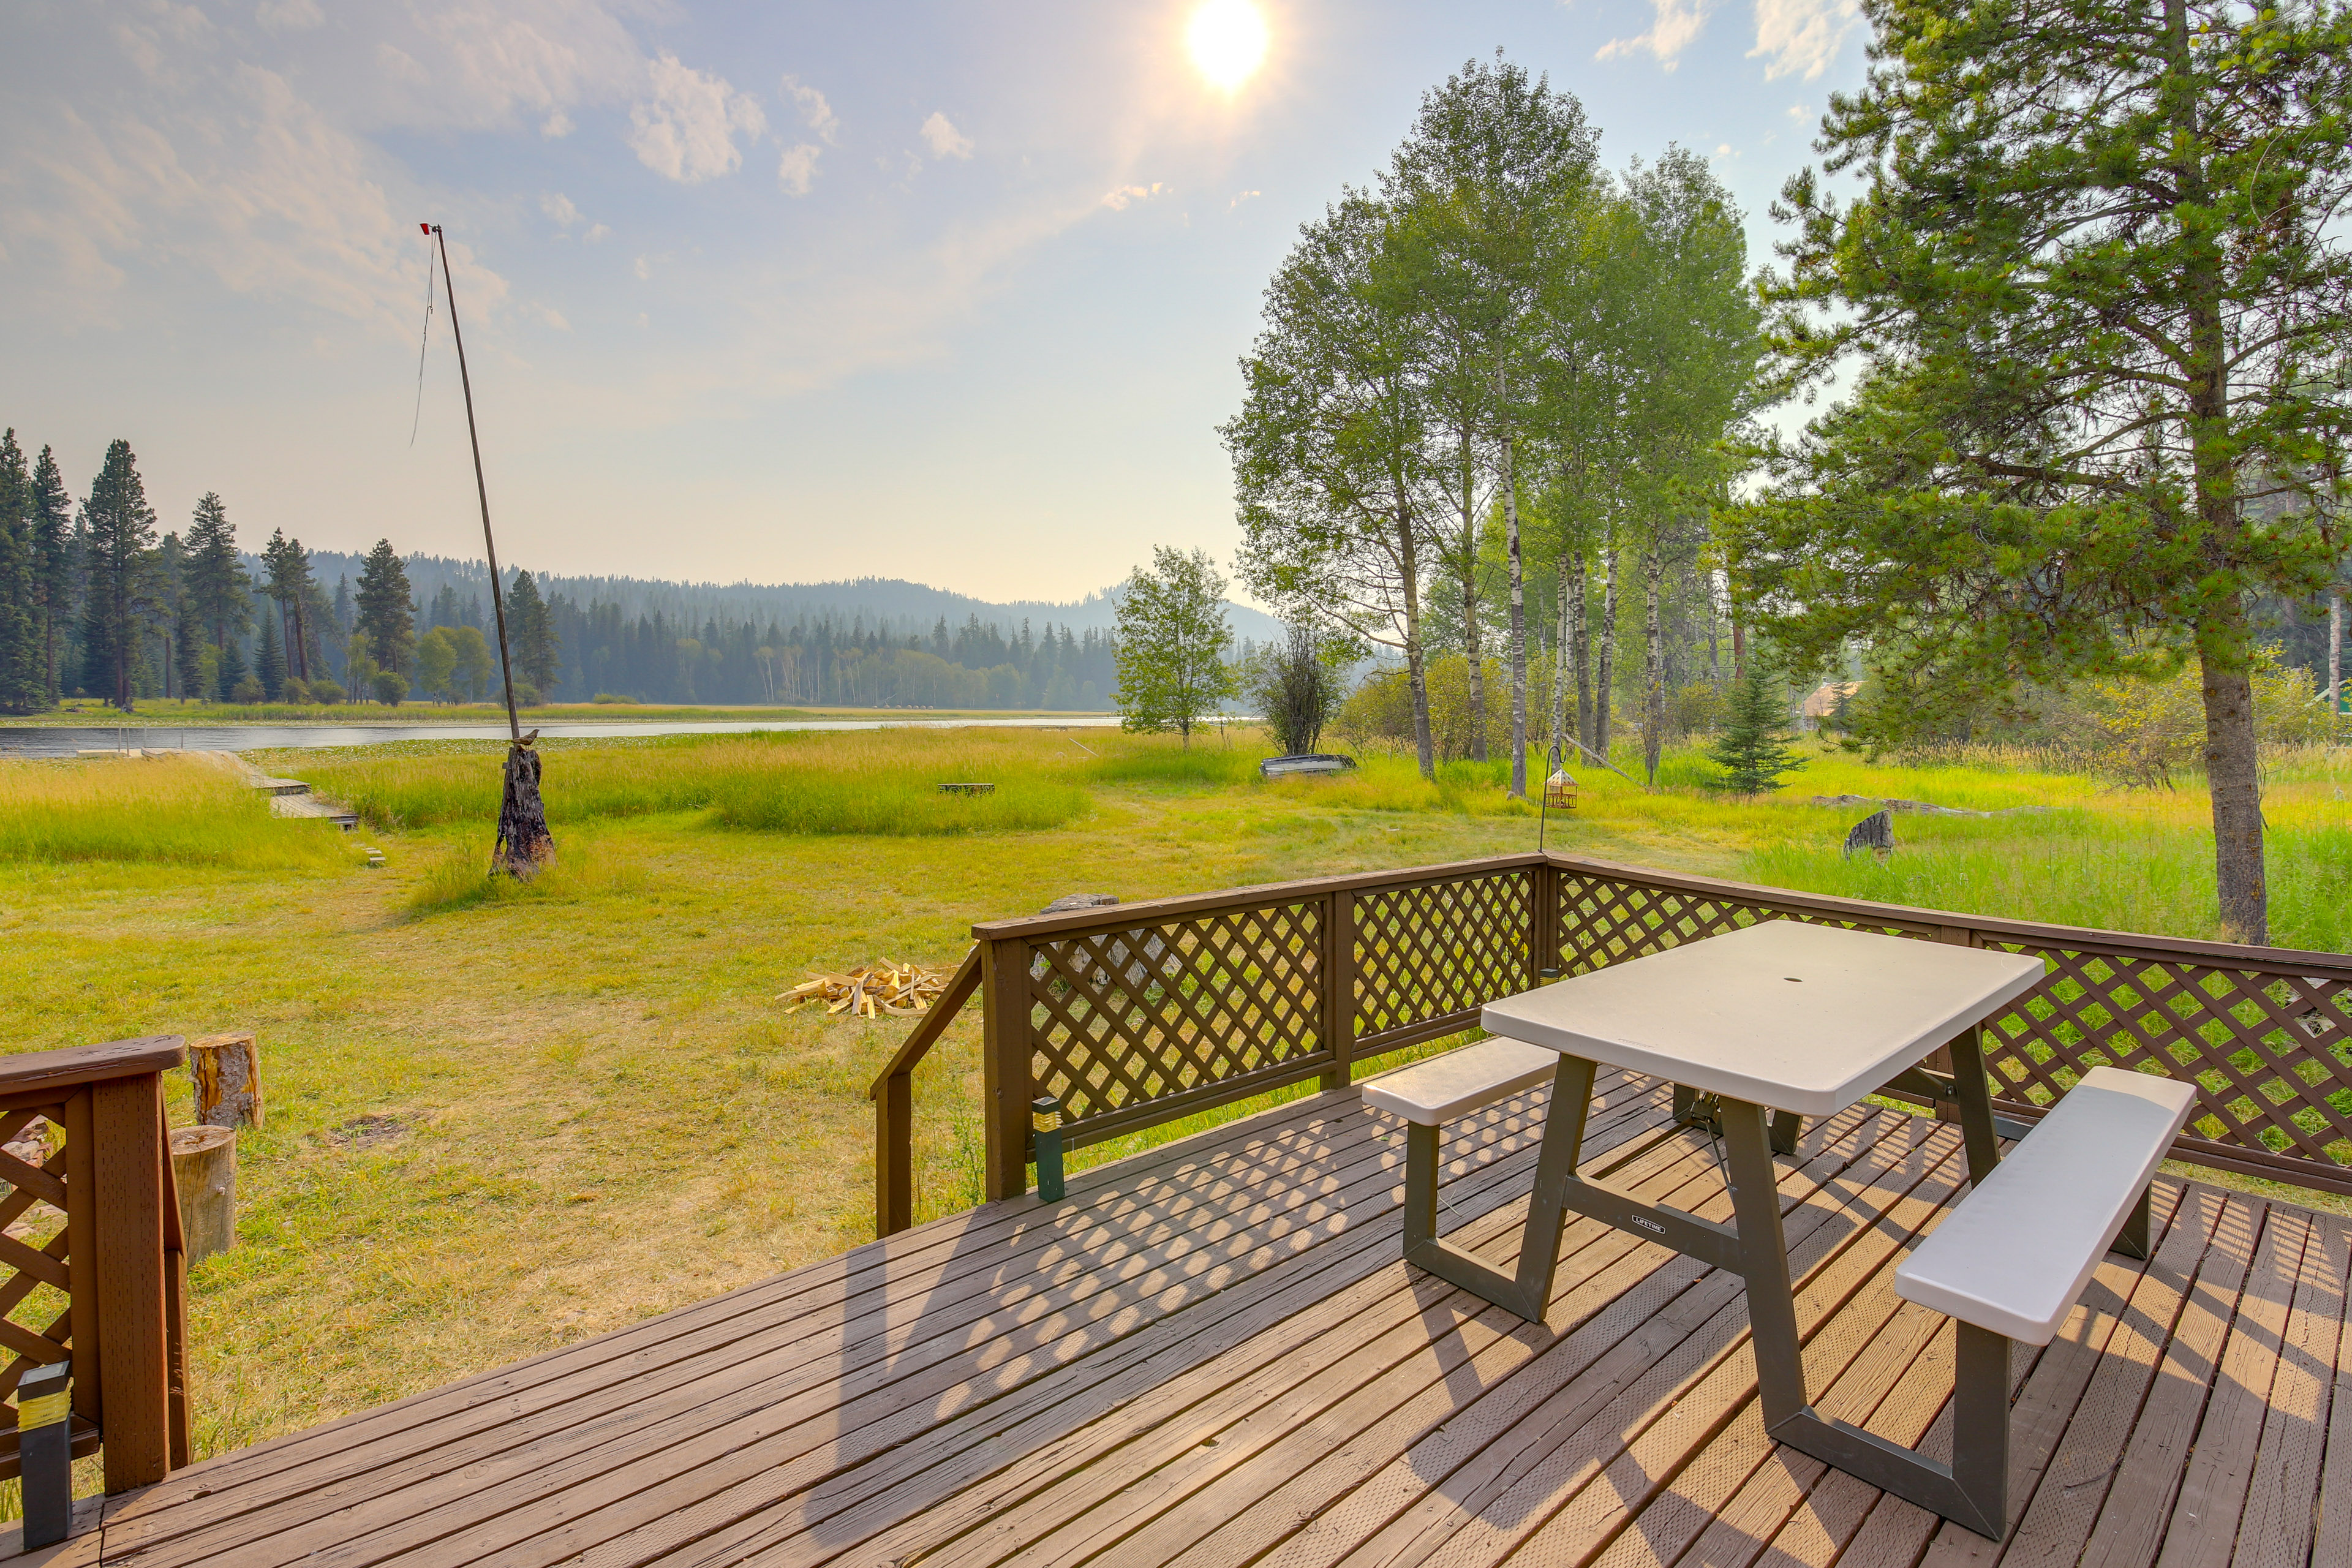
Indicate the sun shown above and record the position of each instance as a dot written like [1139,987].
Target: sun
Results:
[1226,39]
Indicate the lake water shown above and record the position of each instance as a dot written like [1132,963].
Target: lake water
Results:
[25,740]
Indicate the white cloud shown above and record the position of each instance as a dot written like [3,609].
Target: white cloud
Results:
[1802,38]
[290,15]
[815,111]
[1243,197]
[556,126]
[559,209]
[686,131]
[1119,198]
[595,232]
[547,315]
[798,168]
[1677,27]
[643,268]
[944,140]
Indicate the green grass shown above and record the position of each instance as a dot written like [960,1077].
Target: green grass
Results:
[868,782]
[169,811]
[597,1111]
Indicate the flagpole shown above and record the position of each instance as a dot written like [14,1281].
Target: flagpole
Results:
[481,487]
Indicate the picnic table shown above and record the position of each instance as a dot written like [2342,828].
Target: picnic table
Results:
[1775,1021]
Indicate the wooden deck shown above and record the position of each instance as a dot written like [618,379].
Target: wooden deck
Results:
[1212,1354]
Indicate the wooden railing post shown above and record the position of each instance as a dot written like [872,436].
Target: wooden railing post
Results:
[119,1258]
[1339,987]
[894,1102]
[1006,1056]
[1543,919]
[134,1353]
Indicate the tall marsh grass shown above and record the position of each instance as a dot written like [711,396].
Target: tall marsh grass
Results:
[878,782]
[164,810]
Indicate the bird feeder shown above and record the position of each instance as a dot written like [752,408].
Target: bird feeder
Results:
[1560,791]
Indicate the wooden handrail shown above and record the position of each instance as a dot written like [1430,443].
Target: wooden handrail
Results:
[894,1103]
[1142,1013]
[120,1258]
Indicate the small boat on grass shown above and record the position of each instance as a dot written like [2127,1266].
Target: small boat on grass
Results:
[1304,762]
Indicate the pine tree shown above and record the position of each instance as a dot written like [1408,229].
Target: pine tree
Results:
[24,683]
[269,661]
[49,511]
[536,646]
[1753,749]
[188,650]
[232,673]
[122,532]
[387,608]
[218,590]
[290,584]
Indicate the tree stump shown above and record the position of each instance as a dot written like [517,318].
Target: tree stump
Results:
[204,1163]
[524,844]
[228,1072]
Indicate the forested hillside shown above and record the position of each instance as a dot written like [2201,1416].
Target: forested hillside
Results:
[99,599]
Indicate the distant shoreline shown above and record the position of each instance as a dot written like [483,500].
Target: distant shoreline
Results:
[372,715]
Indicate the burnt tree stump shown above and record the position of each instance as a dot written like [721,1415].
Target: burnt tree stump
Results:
[524,843]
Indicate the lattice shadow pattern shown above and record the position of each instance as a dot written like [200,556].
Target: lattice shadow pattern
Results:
[1438,949]
[1121,1018]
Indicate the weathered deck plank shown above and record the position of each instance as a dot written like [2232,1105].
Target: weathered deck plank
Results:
[1213,1355]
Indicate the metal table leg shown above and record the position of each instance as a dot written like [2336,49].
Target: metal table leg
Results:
[1972,1492]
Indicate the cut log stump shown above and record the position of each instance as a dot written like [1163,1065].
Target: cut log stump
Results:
[204,1164]
[227,1070]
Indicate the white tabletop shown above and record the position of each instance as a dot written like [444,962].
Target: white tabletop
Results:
[1800,1017]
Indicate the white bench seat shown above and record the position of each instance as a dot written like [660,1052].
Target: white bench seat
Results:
[1429,1092]
[2014,1256]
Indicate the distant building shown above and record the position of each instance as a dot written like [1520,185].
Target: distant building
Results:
[1822,700]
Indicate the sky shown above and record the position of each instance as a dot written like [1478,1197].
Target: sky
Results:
[774,292]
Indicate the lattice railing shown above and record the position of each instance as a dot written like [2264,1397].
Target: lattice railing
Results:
[91,1269]
[2264,1035]
[1125,1022]
[1428,955]
[1139,1013]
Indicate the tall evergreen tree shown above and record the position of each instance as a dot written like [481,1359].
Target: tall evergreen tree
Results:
[231,673]
[269,661]
[289,585]
[49,510]
[188,649]
[24,683]
[2096,283]
[121,532]
[218,590]
[387,608]
[536,646]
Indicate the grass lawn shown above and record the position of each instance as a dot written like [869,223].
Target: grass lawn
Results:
[498,1123]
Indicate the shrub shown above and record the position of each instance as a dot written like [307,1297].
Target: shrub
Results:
[297,691]
[391,687]
[248,691]
[324,690]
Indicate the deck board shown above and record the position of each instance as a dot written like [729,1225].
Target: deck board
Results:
[1213,1355]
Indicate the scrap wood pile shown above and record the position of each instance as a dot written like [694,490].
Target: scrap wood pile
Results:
[900,990]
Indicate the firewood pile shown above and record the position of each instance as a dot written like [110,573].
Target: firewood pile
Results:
[878,989]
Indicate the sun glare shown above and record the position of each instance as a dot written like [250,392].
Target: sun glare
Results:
[1226,39]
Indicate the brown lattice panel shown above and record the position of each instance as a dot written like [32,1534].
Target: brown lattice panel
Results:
[2268,1047]
[1433,954]
[1124,1023]
[35,1310]
[2268,1044]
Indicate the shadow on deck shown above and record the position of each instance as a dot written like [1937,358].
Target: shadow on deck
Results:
[1212,1354]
